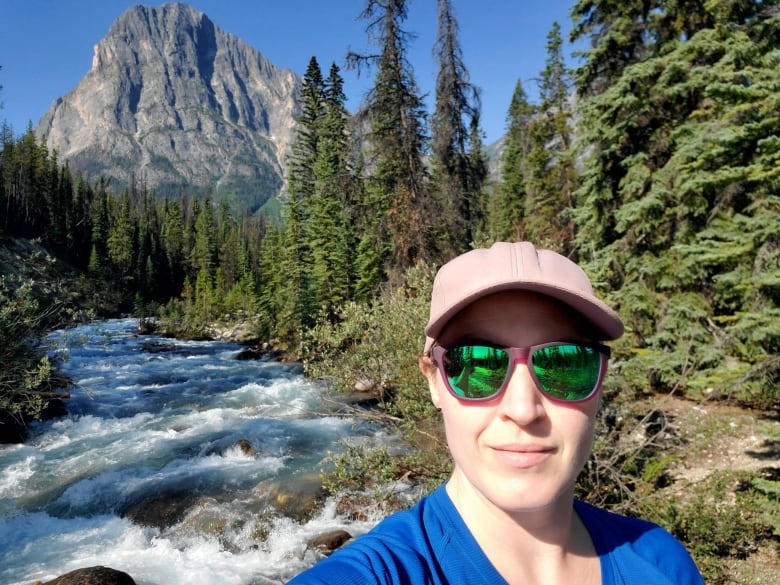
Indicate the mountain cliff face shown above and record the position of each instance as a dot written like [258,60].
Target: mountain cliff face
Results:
[173,101]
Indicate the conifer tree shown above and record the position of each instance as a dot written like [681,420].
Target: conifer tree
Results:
[303,155]
[550,173]
[328,229]
[291,295]
[620,34]
[271,282]
[57,204]
[478,181]
[394,224]
[204,251]
[459,170]
[80,224]
[227,245]
[682,159]
[7,147]
[32,186]
[172,236]
[506,210]
[204,261]
[100,228]
[119,244]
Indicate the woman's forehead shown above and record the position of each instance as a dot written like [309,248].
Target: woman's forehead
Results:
[515,318]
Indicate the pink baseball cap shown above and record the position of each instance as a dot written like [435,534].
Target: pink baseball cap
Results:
[516,266]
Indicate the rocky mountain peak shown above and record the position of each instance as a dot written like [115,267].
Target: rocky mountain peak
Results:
[173,101]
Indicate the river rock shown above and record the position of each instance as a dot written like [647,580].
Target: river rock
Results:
[246,448]
[91,576]
[355,506]
[157,346]
[328,542]
[205,519]
[299,498]
[365,385]
[160,510]
[263,351]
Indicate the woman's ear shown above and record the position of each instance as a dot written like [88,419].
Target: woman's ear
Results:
[429,370]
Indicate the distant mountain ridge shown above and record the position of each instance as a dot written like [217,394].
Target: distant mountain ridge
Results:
[172,101]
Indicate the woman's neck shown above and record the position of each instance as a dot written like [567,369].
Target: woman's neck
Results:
[547,545]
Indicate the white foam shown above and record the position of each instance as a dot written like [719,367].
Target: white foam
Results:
[14,476]
[151,557]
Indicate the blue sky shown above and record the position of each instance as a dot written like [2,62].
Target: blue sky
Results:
[46,46]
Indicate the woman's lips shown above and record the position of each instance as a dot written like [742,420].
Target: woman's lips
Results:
[523,456]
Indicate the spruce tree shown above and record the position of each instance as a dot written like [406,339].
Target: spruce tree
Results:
[172,237]
[291,294]
[300,177]
[100,226]
[507,206]
[328,228]
[80,224]
[550,173]
[119,243]
[681,161]
[459,169]
[620,34]
[394,224]
[204,251]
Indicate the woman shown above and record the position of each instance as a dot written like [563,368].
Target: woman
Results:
[513,361]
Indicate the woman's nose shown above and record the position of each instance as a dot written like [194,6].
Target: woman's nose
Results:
[521,401]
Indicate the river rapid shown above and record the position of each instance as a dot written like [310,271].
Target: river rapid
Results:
[150,417]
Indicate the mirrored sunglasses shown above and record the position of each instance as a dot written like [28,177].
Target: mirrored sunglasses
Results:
[563,371]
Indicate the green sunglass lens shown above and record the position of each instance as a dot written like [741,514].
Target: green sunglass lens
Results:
[475,371]
[567,371]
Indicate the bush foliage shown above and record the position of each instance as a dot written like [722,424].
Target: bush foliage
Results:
[27,374]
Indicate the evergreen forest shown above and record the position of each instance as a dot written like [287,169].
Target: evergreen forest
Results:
[654,163]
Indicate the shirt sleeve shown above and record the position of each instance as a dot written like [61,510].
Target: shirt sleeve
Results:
[637,552]
[368,561]
[342,569]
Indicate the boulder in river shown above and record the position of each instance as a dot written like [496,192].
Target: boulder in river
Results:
[327,542]
[92,576]
[299,498]
[161,510]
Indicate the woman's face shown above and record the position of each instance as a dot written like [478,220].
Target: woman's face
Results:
[520,451]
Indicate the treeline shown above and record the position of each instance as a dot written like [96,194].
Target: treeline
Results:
[393,187]
[135,250]
[655,164]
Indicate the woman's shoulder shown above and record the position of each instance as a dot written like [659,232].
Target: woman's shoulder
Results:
[598,518]
[638,550]
[402,548]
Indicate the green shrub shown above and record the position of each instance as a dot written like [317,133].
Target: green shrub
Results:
[376,346]
[722,518]
[27,372]
[370,465]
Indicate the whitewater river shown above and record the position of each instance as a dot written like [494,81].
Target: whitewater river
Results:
[151,417]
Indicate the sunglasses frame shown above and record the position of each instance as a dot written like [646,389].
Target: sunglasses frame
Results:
[523,355]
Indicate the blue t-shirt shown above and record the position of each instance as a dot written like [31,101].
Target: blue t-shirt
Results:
[430,544]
